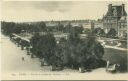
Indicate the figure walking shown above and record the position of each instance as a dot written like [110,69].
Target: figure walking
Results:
[22,58]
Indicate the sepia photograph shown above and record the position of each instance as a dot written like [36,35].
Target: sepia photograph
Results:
[64,40]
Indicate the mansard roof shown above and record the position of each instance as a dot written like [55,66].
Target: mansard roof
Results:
[116,11]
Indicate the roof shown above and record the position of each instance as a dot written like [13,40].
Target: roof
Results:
[116,11]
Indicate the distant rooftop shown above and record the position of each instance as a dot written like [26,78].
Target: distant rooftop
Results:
[116,11]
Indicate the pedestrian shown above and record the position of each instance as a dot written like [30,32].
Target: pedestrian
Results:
[107,66]
[22,58]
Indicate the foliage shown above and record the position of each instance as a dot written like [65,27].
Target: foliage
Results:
[67,28]
[99,32]
[40,26]
[11,27]
[72,52]
[44,45]
[112,33]
[76,52]
[87,31]
[60,27]
[7,28]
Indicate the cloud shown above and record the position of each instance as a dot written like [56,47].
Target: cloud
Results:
[53,10]
[49,6]
[52,6]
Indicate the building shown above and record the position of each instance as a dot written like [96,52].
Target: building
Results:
[116,17]
[98,24]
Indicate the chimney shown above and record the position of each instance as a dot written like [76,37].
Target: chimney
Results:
[123,11]
[109,9]
[109,6]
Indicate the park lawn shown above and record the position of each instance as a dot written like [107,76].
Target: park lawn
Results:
[116,56]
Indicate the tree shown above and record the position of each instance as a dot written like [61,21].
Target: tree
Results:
[34,43]
[60,27]
[78,29]
[74,36]
[42,26]
[102,33]
[87,31]
[67,28]
[99,32]
[44,46]
[8,27]
[83,53]
[39,27]
[90,54]
[112,33]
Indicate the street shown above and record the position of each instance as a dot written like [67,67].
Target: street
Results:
[12,58]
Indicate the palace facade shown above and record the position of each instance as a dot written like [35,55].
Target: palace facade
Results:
[116,17]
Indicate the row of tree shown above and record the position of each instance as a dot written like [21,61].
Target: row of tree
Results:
[73,52]
[11,27]
[100,32]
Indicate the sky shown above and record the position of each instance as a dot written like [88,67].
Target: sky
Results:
[21,11]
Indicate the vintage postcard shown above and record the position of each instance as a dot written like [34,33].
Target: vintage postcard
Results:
[64,40]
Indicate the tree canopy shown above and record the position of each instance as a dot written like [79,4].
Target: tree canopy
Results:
[112,33]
